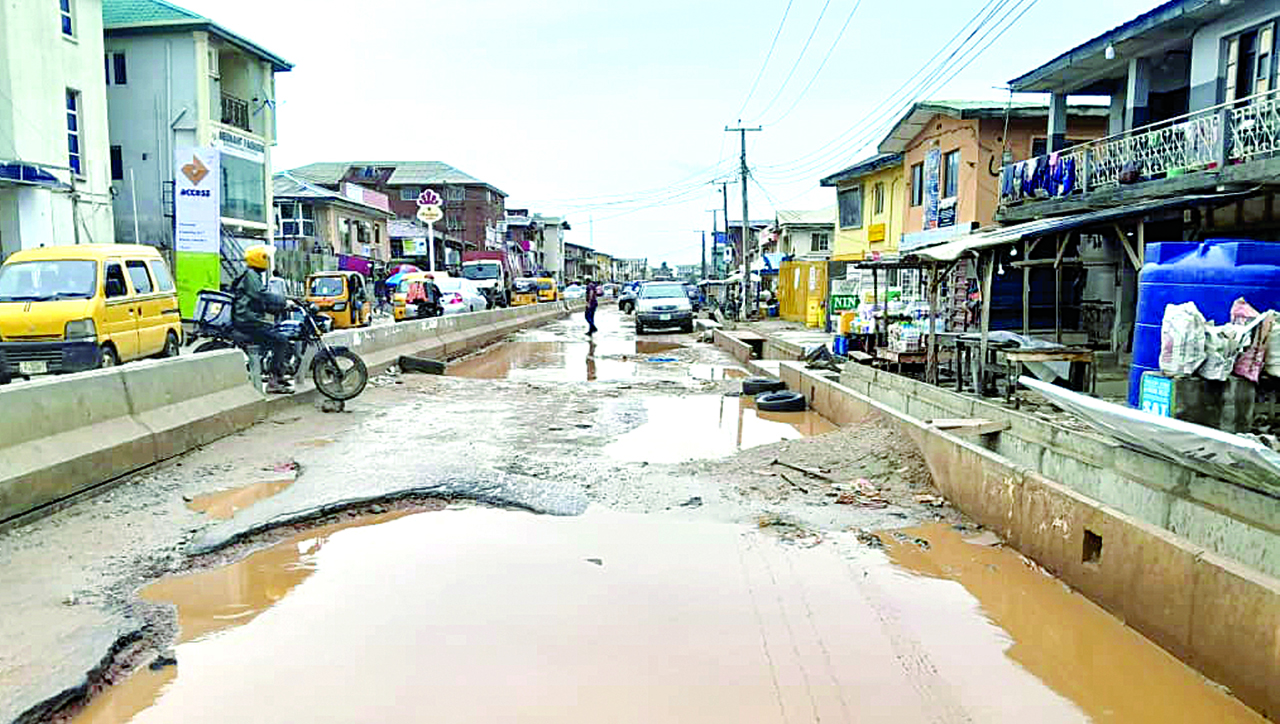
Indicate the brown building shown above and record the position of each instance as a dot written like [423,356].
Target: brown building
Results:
[952,154]
[473,210]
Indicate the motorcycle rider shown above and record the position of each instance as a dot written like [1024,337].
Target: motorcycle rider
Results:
[249,315]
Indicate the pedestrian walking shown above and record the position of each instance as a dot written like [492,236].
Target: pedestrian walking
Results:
[593,300]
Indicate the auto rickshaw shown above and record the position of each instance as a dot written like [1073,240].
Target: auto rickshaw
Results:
[400,297]
[524,291]
[342,296]
[547,291]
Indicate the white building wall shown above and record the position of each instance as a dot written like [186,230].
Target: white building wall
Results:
[37,66]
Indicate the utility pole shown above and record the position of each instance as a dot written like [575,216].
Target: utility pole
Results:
[724,194]
[746,222]
[704,254]
[715,229]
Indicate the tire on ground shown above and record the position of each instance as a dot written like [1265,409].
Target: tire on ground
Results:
[782,401]
[756,385]
[421,365]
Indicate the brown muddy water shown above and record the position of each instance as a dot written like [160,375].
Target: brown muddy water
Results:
[487,615]
[606,359]
[697,427]
[225,504]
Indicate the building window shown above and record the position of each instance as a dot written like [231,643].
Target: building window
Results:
[820,241]
[879,199]
[244,189]
[917,184]
[296,219]
[409,193]
[453,222]
[1250,61]
[950,174]
[345,226]
[68,18]
[117,163]
[850,201]
[74,159]
[455,193]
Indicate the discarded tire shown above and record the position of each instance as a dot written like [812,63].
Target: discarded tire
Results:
[784,401]
[756,385]
[421,365]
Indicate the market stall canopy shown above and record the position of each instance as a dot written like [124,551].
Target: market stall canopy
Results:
[973,243]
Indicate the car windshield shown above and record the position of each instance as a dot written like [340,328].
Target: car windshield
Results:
[661,291]
[326,287]
[544,285]
[32,281]
[525,286]
[451,285]
[481,271]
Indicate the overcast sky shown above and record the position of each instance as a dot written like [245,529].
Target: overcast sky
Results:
[612,113]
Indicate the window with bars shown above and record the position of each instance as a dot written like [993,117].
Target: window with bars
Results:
[296,219]
[409,193]
[74,158]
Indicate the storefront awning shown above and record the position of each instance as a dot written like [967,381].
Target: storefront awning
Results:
[973,243]
[26,174]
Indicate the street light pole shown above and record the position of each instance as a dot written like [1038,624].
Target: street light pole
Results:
[746,223]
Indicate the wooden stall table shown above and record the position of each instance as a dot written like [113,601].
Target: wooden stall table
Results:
[968,345]
[901,358]
[1014,359]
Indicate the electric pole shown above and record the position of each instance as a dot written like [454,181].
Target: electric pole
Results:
[746,222]
[704,255]
[715,229]
[724,194]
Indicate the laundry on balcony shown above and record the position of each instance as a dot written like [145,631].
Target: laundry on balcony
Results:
[1039,178]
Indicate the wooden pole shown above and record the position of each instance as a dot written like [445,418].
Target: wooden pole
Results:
[987,278]
[875,299]
[931,370]
[1057,289]
[1026,290]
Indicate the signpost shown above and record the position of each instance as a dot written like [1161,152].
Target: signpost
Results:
[198,212]
[429,213]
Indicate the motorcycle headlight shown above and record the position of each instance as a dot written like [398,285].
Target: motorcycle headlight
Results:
[340,306]
[80,329]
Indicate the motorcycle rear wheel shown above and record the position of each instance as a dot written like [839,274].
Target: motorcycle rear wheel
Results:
[339,374]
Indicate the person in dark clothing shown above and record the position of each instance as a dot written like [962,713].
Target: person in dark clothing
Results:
[593,301]
[253,302]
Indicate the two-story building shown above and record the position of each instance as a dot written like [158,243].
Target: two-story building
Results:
[474,210]
[870,200]
[805,235]
[351,225]
[579,263]
[55,166]
[604,267]
[631,270]
[550,232]
[175,80]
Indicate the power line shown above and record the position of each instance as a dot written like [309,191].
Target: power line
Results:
[767,56]
[799,58]
[821,65]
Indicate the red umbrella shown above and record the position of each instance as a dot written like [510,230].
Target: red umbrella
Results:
[402,269]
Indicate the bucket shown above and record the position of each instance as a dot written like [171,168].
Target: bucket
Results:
[840,345]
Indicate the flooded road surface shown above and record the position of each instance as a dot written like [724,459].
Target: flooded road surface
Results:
[700,427]
[487,615]
[610,359]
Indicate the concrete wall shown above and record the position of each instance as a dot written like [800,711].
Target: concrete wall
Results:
[1213,613]
[62,436]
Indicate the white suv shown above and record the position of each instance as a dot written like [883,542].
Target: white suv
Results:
[663,304]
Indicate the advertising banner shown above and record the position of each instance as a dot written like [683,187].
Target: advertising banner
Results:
[198,223]
[932,170]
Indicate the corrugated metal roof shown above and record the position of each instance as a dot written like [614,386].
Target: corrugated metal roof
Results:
[404,173]
[160,16]
[862,168]
[819,217]
[286,185]
[916,119]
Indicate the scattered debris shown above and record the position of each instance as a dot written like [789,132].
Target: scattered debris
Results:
[936,501]
[162,661]
[327,405]
[694,502]
[597,561]
[811,472]
[869,539]
[421,365]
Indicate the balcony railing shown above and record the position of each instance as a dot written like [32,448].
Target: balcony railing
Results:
[1199,142]
[235,112]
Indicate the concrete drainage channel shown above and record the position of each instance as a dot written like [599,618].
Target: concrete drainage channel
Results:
[63,437]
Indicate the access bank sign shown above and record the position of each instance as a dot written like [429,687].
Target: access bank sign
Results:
[198,222]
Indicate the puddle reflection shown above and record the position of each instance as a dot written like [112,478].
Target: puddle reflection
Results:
[225,504]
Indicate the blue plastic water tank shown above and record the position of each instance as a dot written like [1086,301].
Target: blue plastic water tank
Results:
[1213,274]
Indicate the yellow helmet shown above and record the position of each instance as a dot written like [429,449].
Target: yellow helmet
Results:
[257,257]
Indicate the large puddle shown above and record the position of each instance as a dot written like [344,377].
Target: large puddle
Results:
[225,504]
[534,359]
[699,427]
[487,615]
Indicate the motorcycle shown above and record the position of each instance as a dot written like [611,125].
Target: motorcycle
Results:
[338,372]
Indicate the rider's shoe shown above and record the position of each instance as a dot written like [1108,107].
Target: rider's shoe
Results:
[275,387]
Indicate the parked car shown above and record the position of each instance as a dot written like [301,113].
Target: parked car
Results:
[663,304]
[695,296]
[627,299]
[74,308]
[547,291]
[574,291]
[459,296]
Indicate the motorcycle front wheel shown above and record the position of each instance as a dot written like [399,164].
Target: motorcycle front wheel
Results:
[212,346]
[339,374]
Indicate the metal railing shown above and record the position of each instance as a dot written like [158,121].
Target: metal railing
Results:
[235,112]
[1203,141]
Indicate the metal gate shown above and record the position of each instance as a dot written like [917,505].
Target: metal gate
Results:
[799,284]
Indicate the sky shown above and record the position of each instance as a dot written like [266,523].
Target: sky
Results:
[612,114]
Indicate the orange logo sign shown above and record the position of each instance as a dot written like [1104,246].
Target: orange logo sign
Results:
[195,171]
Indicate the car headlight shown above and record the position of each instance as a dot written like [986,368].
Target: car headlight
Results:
[80,329]
[340,306]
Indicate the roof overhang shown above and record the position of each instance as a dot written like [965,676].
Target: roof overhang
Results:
[278,64]
[921,114]
[858,170]
[1085,69]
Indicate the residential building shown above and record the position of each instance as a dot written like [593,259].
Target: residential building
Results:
[522,233]
[1195,110]
[55,165]
[631,270]
[351,225]
[550,231]
[579,263]
[604,267]
[952,151]
[691,273]
[759,235]
[871,201]
[473,209]
[805,235]
[176,79]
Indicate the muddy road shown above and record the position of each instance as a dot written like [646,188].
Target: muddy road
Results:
[560,529]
